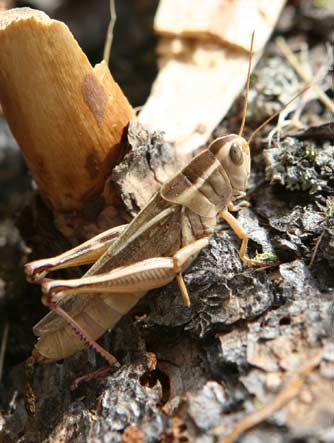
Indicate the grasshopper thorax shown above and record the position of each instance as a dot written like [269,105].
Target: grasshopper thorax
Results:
[233,153]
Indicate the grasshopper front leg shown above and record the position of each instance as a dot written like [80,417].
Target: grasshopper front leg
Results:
[85,253]
[242,234]
[138,277]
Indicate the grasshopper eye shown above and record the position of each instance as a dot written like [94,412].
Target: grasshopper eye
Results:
[236,154]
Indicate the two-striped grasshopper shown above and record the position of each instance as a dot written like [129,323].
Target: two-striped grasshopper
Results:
[148,253]
[157,246]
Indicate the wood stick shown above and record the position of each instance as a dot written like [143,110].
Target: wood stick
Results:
[201,76]
[67,117]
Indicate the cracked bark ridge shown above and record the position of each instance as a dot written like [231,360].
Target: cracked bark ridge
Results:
[293,227]
[149,163]
[222,293]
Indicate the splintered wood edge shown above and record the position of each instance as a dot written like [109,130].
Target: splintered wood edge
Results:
[11,16]
[68,118]
[192,94]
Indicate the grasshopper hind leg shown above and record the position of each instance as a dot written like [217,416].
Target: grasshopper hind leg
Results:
[132,280]
[83,254]
[80,331]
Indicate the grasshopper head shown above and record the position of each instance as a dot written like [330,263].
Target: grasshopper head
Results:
[233,153]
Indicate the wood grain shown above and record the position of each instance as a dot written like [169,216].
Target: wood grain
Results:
[67,117]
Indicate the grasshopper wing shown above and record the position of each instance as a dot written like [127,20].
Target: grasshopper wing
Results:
[51,322]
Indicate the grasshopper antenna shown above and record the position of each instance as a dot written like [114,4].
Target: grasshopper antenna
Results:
[244,111]
[262,125]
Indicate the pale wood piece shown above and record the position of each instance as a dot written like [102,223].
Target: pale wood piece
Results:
[67,117]
[228,22]
[199,79]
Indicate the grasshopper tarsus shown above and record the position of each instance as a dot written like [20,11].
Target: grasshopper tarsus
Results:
[236,208]
[93,375]
[243,236]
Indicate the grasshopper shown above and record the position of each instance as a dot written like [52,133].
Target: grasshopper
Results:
[156,247]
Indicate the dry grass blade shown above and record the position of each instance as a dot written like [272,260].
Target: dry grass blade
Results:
[315,250]
[292,59]
[290,390]
[275,114]
[3,348]
[110,32]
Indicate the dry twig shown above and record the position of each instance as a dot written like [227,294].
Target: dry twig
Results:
[290,390]
[3,348]
[294,62]
[315,249]
[110,32]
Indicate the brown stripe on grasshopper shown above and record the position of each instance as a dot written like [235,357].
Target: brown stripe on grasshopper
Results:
[202,186]
[186,187]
